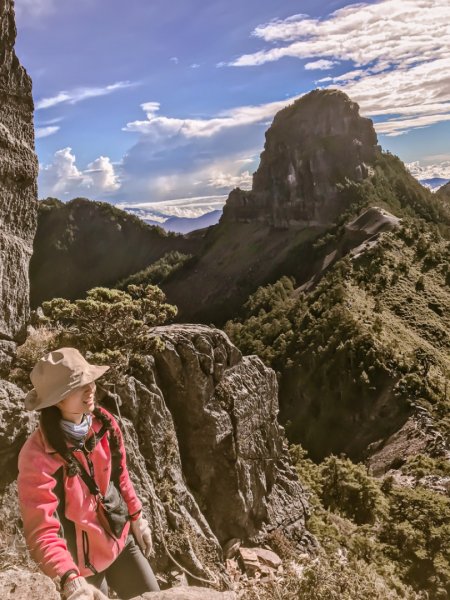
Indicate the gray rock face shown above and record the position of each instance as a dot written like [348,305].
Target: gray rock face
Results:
[18,187]
[360,234]
[225,410]
[15,426]
[310,147]
[202,423]
[18,584]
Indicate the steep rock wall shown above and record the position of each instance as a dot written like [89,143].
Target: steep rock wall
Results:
[311,146]
[18,187]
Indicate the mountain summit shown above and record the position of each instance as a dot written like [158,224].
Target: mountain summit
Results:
[311,146]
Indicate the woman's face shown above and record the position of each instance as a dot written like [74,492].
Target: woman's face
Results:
[79,401]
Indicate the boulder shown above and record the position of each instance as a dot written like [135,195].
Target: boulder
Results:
[187,593]
[18,584]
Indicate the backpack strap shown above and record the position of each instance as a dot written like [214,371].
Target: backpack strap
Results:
[88,480]
[85,476]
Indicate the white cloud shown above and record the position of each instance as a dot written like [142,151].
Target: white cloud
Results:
[226,180]
[151,108]
[401,65]
[62,177]
[102,175]
[80,94]
[164,127]
[422,170]
[395,127]
[362,33]
[195,66]
[42,132]
[321,65]
[344,77]
[190,207]
[174,59]
[212,178]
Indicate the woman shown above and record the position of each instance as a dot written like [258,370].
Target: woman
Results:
[65,469]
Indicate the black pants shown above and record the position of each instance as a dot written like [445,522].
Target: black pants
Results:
[129,575]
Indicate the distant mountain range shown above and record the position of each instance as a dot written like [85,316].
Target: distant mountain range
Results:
[434,183]
[183,224]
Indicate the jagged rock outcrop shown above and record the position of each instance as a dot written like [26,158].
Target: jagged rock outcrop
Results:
[205,450]
[232,447]
[359,235]
[18,186]
[205,429]
[311,146]
[418,435]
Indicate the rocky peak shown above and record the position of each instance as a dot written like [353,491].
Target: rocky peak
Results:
[18,187]
[312,145]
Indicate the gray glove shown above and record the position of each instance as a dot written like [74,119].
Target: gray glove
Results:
[80,589]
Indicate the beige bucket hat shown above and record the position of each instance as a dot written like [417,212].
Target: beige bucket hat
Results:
[57,374]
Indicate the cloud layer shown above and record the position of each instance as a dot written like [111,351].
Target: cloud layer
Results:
[179,207]
[430,171]
[159,127]
[399,51]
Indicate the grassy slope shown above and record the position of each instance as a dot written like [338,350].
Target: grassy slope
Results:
[367,342]
[353,357]
[236,259]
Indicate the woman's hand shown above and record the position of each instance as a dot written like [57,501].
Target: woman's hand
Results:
[79,589]
[142,533]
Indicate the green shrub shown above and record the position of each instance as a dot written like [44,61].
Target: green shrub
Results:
[110,326]
[349,490]
[158,271]
[416,532]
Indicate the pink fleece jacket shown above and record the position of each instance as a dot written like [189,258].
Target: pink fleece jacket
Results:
[38,464]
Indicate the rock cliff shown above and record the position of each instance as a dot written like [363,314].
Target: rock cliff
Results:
[311,146]
[18,187]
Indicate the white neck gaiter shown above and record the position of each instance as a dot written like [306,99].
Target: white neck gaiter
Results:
[76,432]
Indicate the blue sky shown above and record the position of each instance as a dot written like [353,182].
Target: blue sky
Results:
[162,106]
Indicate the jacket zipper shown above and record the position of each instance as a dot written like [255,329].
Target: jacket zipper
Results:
[87,562]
